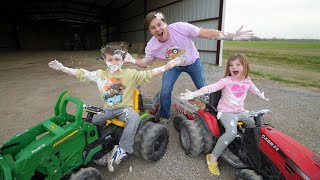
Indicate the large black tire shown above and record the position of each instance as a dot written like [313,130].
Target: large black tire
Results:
[191,138]
[137,139]
[208,139]
[247,174]
[177,120]
[86,174]
[154,142]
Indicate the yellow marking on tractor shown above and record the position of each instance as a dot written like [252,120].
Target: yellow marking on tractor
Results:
[63,97]
[144,116]
[52,126]
[65,138]
[90,110]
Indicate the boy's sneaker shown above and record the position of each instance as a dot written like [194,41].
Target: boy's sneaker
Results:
[163,121]
[116,157]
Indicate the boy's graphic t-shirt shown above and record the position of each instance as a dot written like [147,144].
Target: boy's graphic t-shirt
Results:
[113,90]
[180,43]
[233,93]
[116,89]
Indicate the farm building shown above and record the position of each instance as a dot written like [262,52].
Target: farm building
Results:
[87,24]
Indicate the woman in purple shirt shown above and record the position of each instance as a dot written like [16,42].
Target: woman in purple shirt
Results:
[176,40]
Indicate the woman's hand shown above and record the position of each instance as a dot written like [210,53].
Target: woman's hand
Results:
[242,35]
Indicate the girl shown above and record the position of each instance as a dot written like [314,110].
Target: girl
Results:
[235,86]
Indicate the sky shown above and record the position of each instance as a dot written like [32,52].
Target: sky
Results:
[288,19]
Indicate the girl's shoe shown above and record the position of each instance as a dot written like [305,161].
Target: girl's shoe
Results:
[212,166]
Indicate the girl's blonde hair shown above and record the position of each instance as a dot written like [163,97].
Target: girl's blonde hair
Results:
[244,62]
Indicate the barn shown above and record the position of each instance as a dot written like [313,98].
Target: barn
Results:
[87,24]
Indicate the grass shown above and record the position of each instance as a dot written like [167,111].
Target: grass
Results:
[276,44]
[290,62]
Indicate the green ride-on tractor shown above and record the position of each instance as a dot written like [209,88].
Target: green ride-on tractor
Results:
[65,145]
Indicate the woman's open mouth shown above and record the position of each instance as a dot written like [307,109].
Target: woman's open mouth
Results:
[160,34]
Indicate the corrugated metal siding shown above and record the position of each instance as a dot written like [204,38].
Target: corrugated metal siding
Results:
[190,10]
[132,29]
[207,47]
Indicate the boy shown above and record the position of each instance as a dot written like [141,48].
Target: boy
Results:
[116,87]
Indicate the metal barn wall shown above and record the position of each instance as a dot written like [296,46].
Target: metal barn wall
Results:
[132,29]
[129,25]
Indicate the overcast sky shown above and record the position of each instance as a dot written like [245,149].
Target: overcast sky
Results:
[298,19]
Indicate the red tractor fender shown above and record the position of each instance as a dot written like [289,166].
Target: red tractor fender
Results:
[211,121]
[285,151]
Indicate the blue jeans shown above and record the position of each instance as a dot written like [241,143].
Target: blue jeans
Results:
[196,73]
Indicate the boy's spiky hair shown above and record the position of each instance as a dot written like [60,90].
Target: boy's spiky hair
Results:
[113,49]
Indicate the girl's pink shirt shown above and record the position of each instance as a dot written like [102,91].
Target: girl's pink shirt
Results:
[233,94]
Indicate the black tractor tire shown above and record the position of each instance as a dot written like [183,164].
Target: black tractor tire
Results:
[137,139]
[208,139]
[154,142]
[177,120]
[247,174]
[87,173]
[191,138]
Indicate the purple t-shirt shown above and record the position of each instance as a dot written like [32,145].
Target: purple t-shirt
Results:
[180,43]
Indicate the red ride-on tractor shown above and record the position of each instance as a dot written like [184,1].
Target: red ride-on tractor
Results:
[260,152]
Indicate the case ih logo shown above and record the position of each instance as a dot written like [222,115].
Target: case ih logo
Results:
[275,147]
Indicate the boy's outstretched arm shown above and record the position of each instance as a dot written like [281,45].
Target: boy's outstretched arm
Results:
[172,63]
[138,62]
[56,65]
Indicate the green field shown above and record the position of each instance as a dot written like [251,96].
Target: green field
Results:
[291,62]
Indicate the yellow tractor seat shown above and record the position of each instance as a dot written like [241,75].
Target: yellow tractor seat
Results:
[239,124]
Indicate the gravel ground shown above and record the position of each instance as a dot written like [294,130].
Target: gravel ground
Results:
[29,90]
